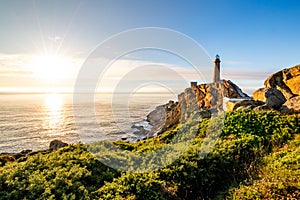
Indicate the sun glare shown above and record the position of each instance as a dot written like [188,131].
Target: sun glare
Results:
[51,67]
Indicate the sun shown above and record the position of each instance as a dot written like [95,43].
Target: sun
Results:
[51,67]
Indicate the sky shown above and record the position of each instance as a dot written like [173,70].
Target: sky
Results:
[254,38]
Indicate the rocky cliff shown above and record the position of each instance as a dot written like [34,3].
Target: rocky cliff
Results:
[286,81]
[281,91]
[198,101]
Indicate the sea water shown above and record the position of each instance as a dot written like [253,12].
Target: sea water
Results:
[31,121]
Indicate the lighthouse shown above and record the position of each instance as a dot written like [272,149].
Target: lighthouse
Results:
[216,77]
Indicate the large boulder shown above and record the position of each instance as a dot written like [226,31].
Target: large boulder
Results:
[292,105]
[279,88]
[274,98]
[293,79]
[286,80]
[232,105]
[259,95]
[56,144]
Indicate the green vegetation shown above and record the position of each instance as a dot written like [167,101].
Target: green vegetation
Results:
[67,173]
[256,157]
[279,177]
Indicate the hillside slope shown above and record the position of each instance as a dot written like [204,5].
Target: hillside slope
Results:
[245,153]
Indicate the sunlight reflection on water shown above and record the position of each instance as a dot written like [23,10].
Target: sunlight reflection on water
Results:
[53,106]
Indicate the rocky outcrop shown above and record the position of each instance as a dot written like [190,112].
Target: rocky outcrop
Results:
[272,97]
[211,95]
[286,80]
[242,104]
[198,101]
[204,100]
[280,87]
[164,117]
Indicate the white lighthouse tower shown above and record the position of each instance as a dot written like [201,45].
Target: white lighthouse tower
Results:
[216,77]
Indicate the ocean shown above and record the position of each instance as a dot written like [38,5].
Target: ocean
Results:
[32,121]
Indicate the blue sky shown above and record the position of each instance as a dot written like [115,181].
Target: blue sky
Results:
[253,37]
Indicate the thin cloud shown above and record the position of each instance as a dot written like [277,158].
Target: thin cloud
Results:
[13,66]
[235,62]
[245,74]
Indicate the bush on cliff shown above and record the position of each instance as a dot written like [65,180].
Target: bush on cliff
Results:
[249,144]
[279,178]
